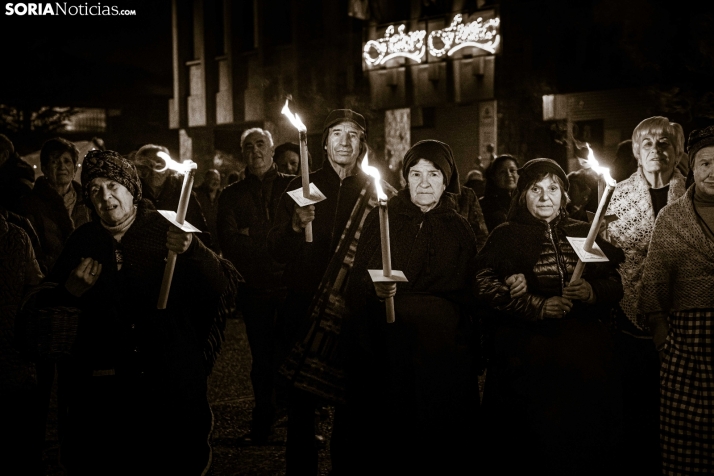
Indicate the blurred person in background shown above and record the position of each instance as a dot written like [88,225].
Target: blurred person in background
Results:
[287,158]
[246,211]
[17,177]
[162,187]
[475,180]
[501,180]
[208,194]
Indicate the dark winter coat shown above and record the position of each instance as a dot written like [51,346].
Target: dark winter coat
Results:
[209,207]
[413,378]
[305,263]
[45,209]
[495,205]
[551,386]
[246,210]
[138,373]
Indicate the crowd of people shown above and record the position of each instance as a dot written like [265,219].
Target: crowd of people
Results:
[608,372]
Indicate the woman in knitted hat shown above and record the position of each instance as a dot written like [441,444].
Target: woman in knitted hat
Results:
[677,303]
[549,384]
[420,383]
[137,402]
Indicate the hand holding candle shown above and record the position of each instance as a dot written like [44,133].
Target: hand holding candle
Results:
[383,288]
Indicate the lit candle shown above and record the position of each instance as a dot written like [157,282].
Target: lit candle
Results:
[188,169]
[383,231]
[304,163]
[610,183]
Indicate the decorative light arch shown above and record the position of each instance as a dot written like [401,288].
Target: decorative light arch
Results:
[408,45]
[479,33]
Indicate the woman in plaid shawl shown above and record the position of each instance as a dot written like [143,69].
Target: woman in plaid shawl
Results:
[678,301]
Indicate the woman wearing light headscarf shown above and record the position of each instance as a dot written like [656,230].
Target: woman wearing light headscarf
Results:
[658,146]
[677,300]
[137,396]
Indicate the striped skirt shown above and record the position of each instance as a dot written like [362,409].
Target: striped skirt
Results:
[687,394]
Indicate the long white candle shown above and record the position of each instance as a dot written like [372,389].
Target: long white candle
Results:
[171,258]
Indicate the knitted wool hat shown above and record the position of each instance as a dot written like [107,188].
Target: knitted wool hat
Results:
[698,139]
[111,165]
[440,154]
[535,167]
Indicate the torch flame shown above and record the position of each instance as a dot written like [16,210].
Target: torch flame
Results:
[595,165]
[369,170]
[294,119]
[180,167]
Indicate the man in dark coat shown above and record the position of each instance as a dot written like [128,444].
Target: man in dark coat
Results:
[342,181]
[162,187]
[245,214]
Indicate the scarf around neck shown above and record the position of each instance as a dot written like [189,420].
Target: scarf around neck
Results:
[117,231]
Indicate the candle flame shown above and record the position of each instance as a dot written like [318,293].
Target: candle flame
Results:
[180,167]
[595,165]
[374,172]
[294,119]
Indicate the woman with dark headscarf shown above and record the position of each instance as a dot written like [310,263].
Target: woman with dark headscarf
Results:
[420,379]
[137,397]
[550,392]
[501,180]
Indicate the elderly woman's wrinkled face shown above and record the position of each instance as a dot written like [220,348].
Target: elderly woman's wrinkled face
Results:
[657,153]
[426,184]
[704,171]
[507,175]
[543,198]
[60,169]
[112,201]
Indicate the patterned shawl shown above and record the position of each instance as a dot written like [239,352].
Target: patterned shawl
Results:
[316,363]
[632,203]
[679,269]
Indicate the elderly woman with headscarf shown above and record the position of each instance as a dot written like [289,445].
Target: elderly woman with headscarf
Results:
[501,179]
[420,381]
[678,304]
[658,145]
[550,392]
[137,402]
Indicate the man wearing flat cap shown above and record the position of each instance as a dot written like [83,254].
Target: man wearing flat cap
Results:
[313,275]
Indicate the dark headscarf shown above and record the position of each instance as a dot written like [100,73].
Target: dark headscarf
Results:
[111,165]
[698,139]
[533,168]
[440,155]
